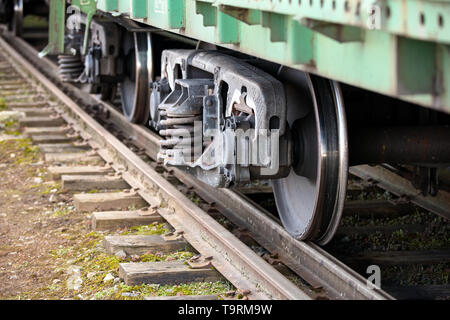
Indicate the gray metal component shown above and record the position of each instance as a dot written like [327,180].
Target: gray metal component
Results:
[138,75]
[17,20]
[242,111]
[103,51]
[181,109]
[160,90]
[100,63]
[311,199]
[70,67]
[264,93]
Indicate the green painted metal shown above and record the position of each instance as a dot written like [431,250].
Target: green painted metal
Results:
[138,9]
[399,48]
[89,7]
[108,5]
[56,28]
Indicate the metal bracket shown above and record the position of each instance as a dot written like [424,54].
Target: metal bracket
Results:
[197,262]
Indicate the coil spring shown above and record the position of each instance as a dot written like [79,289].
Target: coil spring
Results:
[70,67]
[179,112]
[179,137]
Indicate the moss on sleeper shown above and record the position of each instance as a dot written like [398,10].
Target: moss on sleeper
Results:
[194,288]
[151,229]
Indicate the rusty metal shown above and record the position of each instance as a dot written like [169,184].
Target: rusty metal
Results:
[404,145]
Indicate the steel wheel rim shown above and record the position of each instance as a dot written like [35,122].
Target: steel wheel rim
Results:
[310,205]
[135,92]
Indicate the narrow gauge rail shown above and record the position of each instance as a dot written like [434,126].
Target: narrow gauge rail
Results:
[238,263]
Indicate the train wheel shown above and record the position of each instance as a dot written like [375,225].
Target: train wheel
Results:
[17,18]
[138,74]
[310,200]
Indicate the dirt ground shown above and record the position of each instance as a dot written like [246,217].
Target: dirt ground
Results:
[33,221]
[47,247]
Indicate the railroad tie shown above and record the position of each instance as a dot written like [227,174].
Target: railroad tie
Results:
[113,220]
[34,112]
[90,182]
[53,138]
[72,157]
[141,244]
[38,131]
[170,273]
[108,201]
[58,171]
[61,148]
[41,122]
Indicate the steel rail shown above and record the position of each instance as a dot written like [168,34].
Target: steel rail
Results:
[305,258]
[233,259]
[308,260]
[403,188]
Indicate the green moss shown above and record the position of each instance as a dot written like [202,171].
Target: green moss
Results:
[13,132]
[24,152]
[151,229]
[51,188]
[194,288]
[3,106]
[180,255]
[61,212]
[194,198]
[9,123]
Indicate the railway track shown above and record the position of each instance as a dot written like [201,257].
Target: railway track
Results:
[122,146]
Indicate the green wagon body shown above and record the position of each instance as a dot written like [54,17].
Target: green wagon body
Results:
[399,48]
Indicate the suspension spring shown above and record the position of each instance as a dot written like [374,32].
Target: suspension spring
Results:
[70,67]
[179,113]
